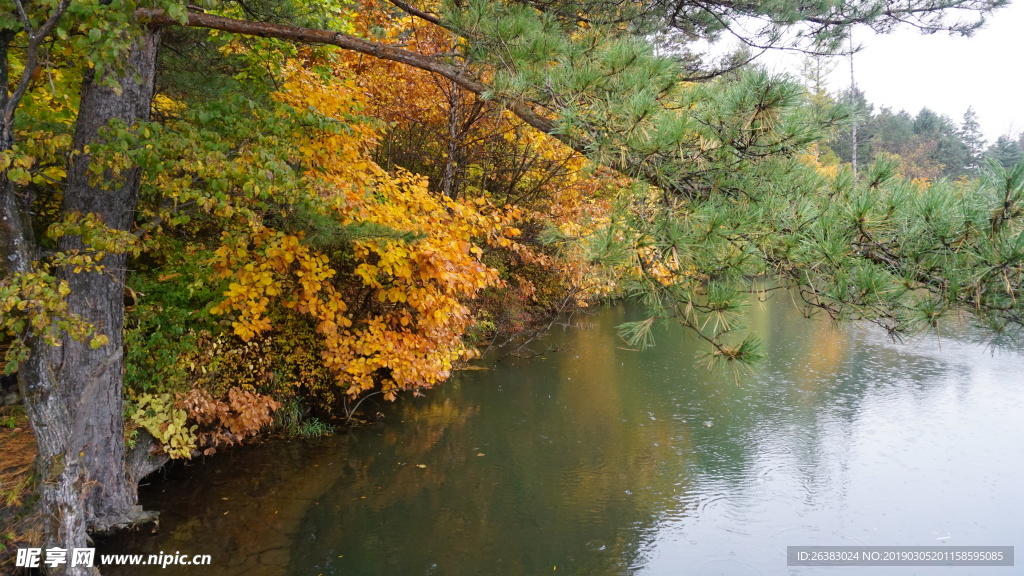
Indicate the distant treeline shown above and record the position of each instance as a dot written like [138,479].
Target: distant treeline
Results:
[930,145]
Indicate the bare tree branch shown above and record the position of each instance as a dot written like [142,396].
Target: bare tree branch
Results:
[35,38]
[409,9]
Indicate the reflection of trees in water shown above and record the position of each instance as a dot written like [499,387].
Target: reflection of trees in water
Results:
[585,453]
[554,487]
[797,411]
[816,382]
[244,507]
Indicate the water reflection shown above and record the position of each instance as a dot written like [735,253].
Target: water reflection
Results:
[598,460]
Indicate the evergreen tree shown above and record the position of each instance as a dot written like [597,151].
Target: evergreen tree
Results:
[860,111]
[891,130]
[928,123]
[1006,151]
[814,71]
[970,134]
[939,135]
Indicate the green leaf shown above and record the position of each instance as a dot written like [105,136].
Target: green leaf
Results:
[98,341]
[19,176]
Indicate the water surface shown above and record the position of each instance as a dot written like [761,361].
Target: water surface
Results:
[593,459]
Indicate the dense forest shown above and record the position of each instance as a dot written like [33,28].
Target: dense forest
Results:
[223,217]
[929,146]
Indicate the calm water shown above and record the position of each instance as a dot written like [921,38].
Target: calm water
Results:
[596,460]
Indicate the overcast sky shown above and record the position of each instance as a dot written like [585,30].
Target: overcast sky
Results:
[907,70]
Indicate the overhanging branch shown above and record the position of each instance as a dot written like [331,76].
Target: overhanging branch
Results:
[329,37]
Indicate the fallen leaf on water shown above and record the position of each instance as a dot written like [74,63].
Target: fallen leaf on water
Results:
[421,465]
[480,454]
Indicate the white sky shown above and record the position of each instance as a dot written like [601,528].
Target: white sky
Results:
[907,70]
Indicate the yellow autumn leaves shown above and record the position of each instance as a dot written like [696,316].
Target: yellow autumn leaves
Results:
[397,317]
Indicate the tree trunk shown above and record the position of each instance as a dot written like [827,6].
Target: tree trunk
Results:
[73,393]
[15,229]
[94,377]
[57,462]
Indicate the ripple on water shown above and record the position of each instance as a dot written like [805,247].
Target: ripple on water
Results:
[727,567]
[710,503]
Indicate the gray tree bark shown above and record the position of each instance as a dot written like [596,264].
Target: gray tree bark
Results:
[94,377]
[73,393]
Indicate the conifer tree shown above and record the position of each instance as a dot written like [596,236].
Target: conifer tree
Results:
[970,134]
[1005,151]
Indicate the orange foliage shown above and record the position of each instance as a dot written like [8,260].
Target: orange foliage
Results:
[496,155]
[222,422]
[393,313]
[410,332]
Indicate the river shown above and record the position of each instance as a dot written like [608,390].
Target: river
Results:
[593,459]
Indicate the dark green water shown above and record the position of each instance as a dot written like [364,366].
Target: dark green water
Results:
[596,460]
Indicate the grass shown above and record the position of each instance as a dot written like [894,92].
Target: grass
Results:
[293,421]
[311,428]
